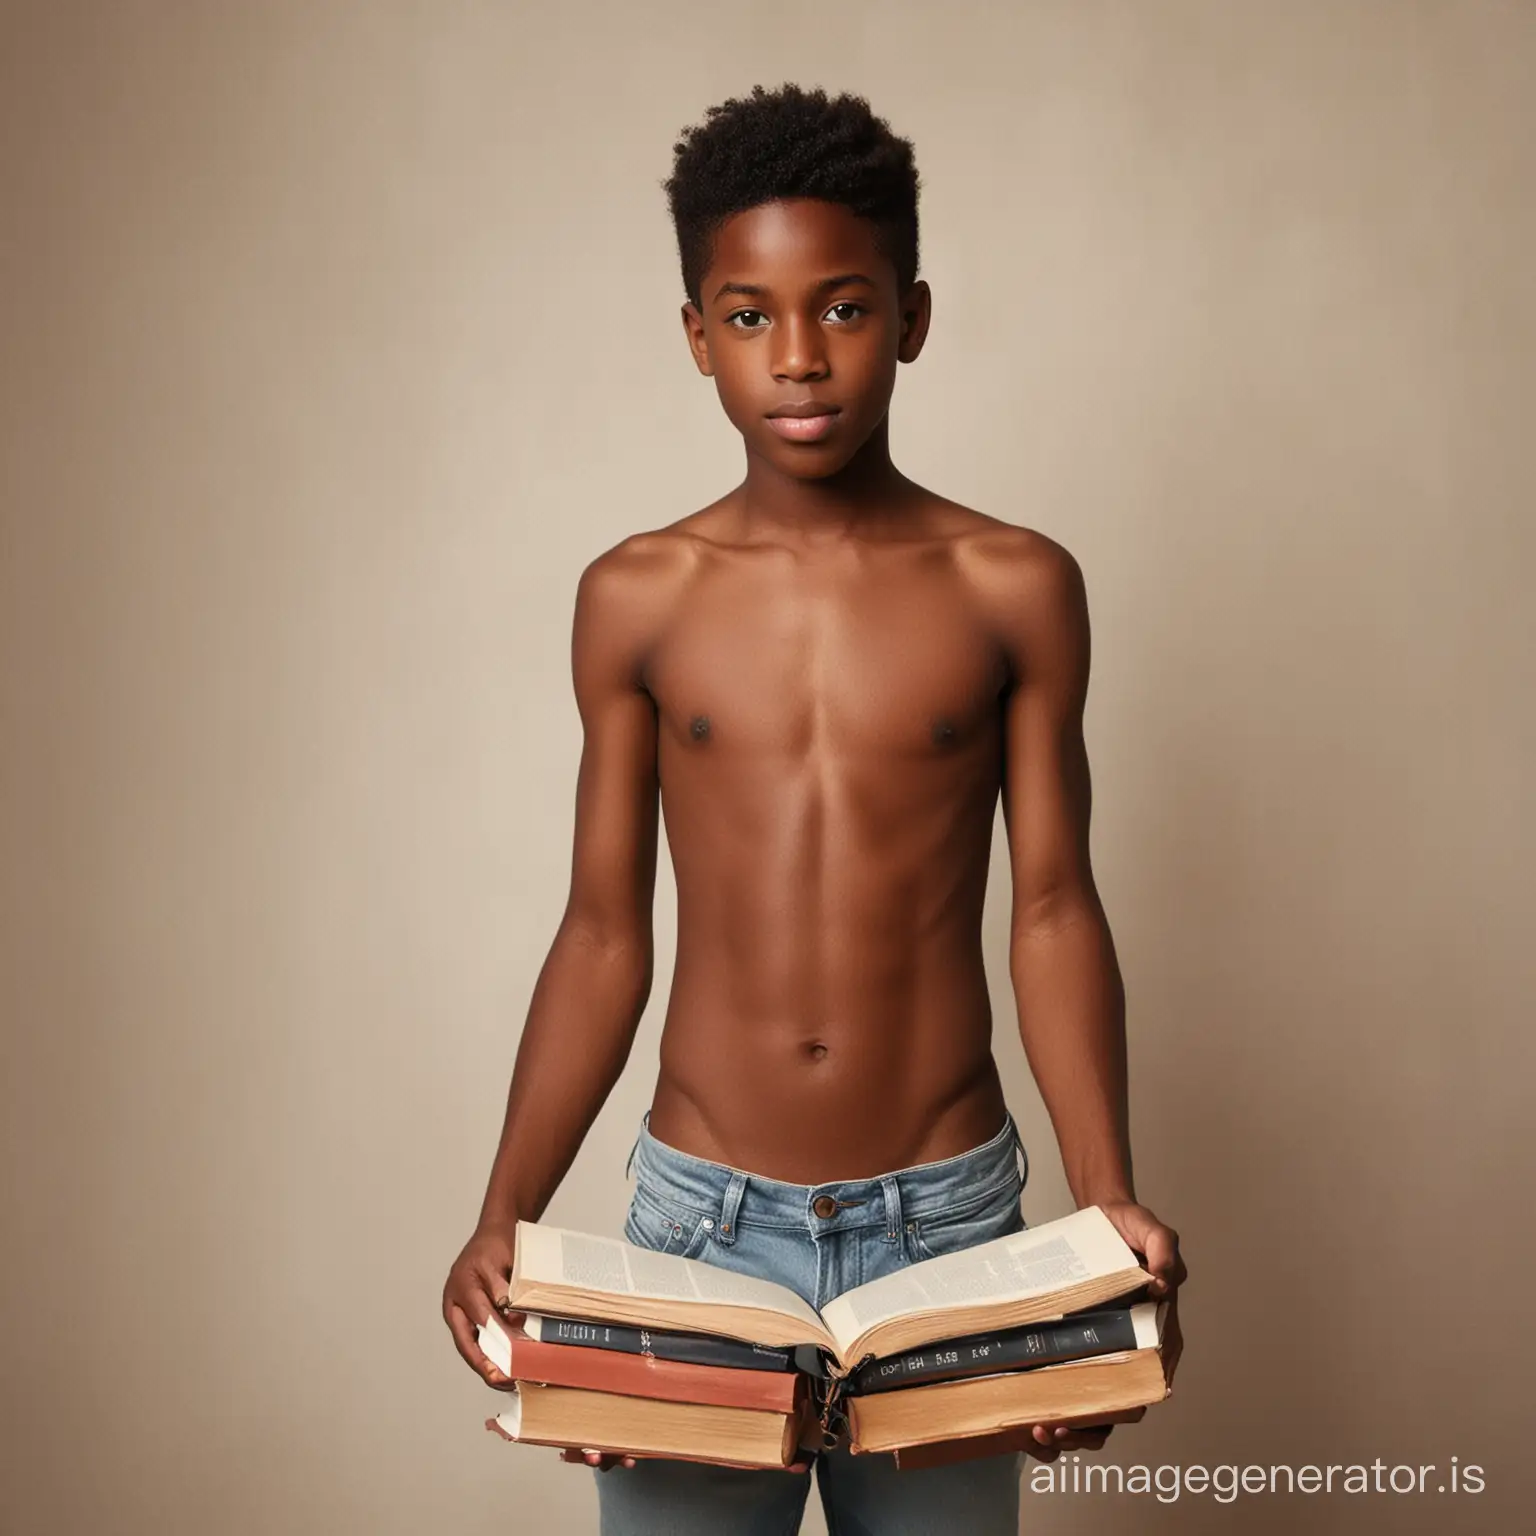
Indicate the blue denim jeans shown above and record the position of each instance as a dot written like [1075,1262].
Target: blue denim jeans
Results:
[819,1240]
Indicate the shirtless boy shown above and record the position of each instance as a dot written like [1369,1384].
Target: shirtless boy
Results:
[825,679]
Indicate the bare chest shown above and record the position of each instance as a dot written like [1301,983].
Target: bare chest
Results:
[885,662]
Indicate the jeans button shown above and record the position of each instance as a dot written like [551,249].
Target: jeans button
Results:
[824,1206]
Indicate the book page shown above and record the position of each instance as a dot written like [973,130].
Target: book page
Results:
[555,1256]
[1035,1262]
[494,1344]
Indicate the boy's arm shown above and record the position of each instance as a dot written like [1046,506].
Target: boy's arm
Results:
[595,982]
[1066,979]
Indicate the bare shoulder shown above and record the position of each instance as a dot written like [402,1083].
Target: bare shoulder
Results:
[1026,584]
[627,594]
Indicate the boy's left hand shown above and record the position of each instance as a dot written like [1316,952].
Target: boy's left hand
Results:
[1045,1442]
[1157,1244]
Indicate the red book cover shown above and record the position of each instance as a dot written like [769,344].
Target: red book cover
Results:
[608,1370]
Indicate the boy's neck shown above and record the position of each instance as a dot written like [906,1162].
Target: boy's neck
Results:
[869,485]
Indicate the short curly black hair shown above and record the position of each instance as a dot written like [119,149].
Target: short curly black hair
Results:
[785,143]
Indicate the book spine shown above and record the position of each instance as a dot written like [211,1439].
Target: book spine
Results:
[1076,1338]
[685,1348]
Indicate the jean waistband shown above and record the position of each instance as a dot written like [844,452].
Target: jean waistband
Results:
[952,1185]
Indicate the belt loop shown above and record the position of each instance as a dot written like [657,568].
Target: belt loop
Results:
[735,1188]
[645,1121]
[892,1207]
[1021,1156]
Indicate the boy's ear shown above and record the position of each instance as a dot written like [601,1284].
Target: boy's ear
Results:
[693,327]
[916,311]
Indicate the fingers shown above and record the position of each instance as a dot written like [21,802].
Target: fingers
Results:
[1022,1438]
[1086,1439]
[1163,1259]
[511,1321]
[603,1461]
[463,1332]
[1180,1270]
[494,1285]
[1065,1437]
[474,1293]
[1156,1242]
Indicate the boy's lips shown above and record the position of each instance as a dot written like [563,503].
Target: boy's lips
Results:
[803,423]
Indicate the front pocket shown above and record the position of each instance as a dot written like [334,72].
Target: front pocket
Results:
[941,1232]
[665,1227]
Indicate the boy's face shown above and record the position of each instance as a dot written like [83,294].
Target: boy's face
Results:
[800,312]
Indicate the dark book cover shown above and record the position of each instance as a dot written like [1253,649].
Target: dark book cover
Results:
[686,1348]
[1078,1337]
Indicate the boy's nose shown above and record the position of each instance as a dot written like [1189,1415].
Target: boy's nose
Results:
[801,355]
[797,368]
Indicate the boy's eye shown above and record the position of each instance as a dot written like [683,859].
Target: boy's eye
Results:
[755,319]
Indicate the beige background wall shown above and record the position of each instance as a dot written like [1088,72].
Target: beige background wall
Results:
[337,338]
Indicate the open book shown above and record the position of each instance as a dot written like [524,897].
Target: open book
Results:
[1030,1276]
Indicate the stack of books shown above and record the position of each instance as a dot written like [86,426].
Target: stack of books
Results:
[649,1392]
[640,1353]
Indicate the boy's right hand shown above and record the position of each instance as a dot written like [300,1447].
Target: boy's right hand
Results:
[477,1287]
[603,1460]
